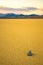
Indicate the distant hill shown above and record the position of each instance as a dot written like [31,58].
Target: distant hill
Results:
[11,15]
[2,15]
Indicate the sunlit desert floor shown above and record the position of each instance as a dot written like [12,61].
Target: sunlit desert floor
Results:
[17,37]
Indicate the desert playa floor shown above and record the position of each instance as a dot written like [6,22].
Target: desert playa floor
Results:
[17,37]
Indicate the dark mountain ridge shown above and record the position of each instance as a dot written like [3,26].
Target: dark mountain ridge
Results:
[12,15]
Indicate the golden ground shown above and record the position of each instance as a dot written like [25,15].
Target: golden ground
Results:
[17,37]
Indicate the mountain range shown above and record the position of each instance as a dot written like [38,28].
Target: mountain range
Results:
[12,15]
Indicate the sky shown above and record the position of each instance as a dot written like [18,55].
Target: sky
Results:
[21,6]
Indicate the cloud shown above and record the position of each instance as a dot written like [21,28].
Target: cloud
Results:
[18,9]
[24,10]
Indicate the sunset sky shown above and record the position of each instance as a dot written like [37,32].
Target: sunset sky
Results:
[21,6]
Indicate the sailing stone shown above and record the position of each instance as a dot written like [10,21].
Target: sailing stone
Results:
[30,53]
